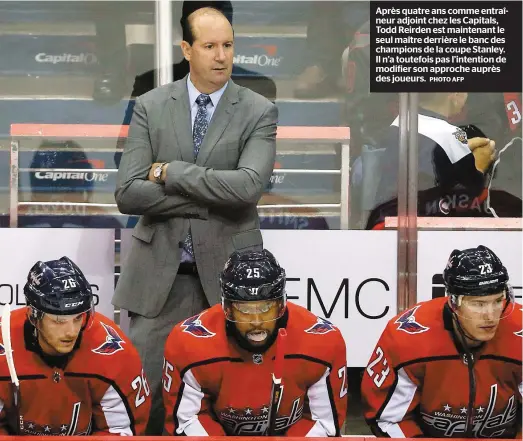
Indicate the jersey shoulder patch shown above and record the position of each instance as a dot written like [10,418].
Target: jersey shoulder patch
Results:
[113,342]
[322,326]
[194,326]
[407,322]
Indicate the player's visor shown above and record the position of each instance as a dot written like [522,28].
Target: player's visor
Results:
[254,311]
[490,308]
[82,317]
[85,317]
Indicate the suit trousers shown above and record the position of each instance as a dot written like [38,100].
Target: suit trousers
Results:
[149,335]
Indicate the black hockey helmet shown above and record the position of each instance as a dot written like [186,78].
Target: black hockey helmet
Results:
[252,276]
[475,272]
[57,287]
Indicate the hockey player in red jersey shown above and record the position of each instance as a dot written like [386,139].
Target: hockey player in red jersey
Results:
[218,364]
[451,367]
[78,373]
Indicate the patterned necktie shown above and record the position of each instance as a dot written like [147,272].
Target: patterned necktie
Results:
[199,130]
[200,122]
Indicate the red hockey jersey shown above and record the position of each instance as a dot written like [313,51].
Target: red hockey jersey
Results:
[101,391]
[417,383]
[213,387]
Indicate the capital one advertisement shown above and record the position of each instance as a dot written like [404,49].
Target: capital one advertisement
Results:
[91,249]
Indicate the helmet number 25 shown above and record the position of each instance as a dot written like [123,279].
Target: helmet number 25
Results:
[253,273]
[378,377]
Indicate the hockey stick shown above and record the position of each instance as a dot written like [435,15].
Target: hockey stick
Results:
[277,383]
[6,337]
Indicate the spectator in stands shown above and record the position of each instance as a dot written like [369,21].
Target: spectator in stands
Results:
[498,116]
[196,206]
[331,26]
[451,168]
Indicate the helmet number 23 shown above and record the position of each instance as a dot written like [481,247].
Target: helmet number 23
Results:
[140,385]
[486,268]
[378,377]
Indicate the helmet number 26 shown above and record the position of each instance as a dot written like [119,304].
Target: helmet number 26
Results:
[69,283]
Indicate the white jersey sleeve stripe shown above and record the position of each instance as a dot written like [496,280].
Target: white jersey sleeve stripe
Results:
[189,408]
[115,413]
[321,408]
[397,407]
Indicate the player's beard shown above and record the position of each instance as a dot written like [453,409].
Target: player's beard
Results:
[244,343]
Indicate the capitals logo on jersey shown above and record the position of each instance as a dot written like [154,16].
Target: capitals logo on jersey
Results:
[322,326]
[113,342]
[407,322]
[193,326]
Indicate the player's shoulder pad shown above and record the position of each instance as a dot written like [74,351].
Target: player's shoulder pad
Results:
[207,324]
[310,322]
[203,333]
[426,316]
[409,330]
[417,319]
[105,339]
[311,333]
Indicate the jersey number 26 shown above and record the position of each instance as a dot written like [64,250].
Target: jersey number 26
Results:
[140,385]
